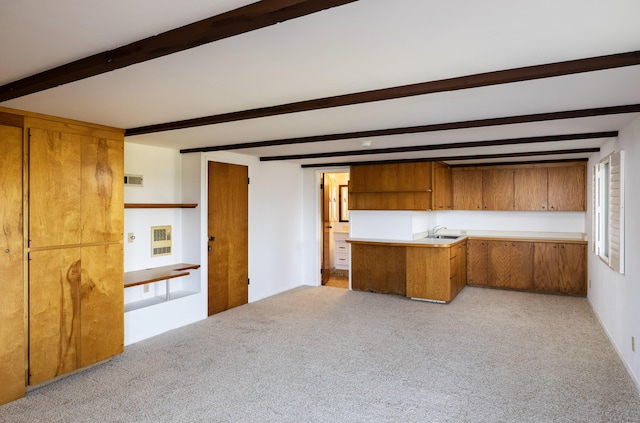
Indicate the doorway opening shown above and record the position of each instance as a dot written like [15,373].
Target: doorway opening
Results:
[335,228]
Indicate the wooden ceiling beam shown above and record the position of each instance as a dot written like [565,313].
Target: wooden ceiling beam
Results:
[447,146]
[526,73]
[244,19]
[459,158]
[477,123]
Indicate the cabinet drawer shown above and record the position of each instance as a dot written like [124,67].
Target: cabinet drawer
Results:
[341,247]
[453,266]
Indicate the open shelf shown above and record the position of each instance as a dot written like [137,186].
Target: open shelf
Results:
[160,205]
[158,274]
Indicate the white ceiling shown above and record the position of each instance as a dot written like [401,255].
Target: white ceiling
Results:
[366,45]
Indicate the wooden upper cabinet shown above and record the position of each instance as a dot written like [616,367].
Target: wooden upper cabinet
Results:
[530,188]
[393,186]
[567,188]
[467,189]
[442,187]
[102,190]
[497,189]
[55,187]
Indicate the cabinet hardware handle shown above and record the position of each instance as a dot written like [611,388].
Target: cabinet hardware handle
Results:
[212,238]
[7,251]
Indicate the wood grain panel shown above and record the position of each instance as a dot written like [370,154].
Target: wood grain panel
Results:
[560,268]
[378,268]
[428,274]
[467,189]
[497,189]
[228,223]
[442,187]
[563,180]
[530,188]
[477,263]
[102,189]
[510,264]
[102,303]
[55,188]
[54,312]
[12,333]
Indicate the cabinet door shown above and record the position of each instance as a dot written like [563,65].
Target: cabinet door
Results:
[530,188]
[54,312]
[102,304]
[560,268]
[462,265]
[467,189]
[497,189]
[102,190]
[442,187]
[55,188]
[12,346]
[510,264]
[428,274]
[477,263]
[378,268]
[567,188]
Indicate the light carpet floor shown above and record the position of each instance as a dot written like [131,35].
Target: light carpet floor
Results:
[321,354]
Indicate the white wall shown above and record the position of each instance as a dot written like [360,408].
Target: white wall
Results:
[275,230]
[615,298]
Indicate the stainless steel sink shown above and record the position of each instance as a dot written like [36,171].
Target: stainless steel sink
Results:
[445,237]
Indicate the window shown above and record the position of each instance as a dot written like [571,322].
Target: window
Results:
[608,216]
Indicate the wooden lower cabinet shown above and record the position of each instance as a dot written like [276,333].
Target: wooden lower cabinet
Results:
[560,268]
[76,308]
[378,268]
[548,267]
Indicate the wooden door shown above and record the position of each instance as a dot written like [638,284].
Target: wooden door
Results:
[55,186]
[54,312]
[102,303]
[530,188]
[12,334]
[102,190]
[442,187]
[510,264]
[560,268]
[477,263]
[467,189]
[228,227]
[326,229]
[567,188]
[497,189]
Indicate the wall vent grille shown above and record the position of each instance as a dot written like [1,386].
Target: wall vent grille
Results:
[133,180]
[160,240]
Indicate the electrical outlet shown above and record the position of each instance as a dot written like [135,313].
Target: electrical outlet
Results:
[589,283]
[633,344]
[146,288]
[131,237]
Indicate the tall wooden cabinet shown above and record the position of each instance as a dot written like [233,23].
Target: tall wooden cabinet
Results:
[71,190]
[12,308]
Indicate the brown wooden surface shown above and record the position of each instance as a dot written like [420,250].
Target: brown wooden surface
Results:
[228,222]
[54,312]
[467,189]
[160,205]
[567,188]
[442,187]
[326,228]
[497,189]
[102,190]
[530,188]
[477,262]
[378,268]
[390,201]
[510,264]
[12,325]
[462,266]
[560,268]
[429,274]
[55,188]
[154,274]
[102,304]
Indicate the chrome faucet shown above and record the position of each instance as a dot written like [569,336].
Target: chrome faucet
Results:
[434,231]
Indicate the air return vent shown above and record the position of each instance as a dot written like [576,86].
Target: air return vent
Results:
[133,180]
[160,240]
